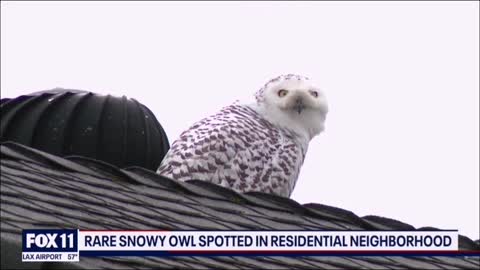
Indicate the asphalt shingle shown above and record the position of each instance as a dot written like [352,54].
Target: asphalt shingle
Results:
[39,190]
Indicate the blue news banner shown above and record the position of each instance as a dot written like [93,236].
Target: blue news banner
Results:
[50,245]
[67,245]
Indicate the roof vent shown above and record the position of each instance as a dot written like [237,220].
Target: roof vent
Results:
[117,130]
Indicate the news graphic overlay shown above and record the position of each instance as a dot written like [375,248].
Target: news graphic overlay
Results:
[67,245]
[268,242]
[50,246]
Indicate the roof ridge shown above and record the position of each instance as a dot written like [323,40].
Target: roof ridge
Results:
[13,149]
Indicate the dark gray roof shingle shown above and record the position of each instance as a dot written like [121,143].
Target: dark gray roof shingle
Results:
[39,190]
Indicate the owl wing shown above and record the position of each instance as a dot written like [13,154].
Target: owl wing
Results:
[235,148]
[228,148]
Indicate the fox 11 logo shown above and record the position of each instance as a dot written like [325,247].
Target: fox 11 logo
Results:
[50,245]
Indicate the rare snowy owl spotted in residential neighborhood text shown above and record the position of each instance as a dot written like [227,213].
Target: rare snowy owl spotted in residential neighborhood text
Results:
[257,146]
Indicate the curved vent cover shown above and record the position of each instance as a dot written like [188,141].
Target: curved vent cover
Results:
[64,122]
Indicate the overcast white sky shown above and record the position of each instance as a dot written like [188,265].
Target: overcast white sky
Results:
[402,79]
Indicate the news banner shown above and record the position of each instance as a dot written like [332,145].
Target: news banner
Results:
[69,245]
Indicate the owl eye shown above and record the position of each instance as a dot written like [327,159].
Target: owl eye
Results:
[314,93]
[282,92]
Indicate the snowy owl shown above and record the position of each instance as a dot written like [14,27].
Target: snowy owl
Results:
[253,146]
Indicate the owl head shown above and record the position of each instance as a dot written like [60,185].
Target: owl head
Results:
[294,102]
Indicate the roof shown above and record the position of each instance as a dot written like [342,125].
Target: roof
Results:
[40,190]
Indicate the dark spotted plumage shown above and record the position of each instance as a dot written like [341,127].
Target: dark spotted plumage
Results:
[250,155]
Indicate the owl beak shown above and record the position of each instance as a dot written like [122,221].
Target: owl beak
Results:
[299,106]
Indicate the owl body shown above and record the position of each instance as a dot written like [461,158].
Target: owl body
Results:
[239,149]
[255,146]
